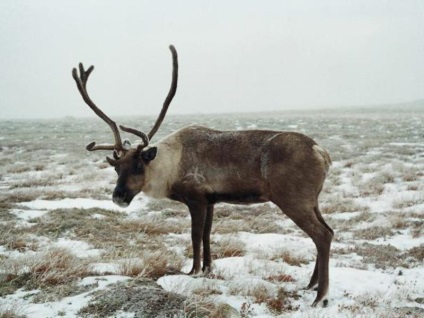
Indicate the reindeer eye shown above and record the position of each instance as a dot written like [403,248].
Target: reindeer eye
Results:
[139,167]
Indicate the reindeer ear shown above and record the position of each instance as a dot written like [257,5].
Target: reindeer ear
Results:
[149,154]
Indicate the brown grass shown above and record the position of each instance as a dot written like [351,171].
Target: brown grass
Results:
[52,267]
[416,253]
[112,231]
[227,247]
[289,258]
[32,183]
[152,264]
[371,188]
[341,205]
[57,266]
[373,233]
[282,303]
[11,311]
[281,278]
[409,202]
[156,226]
[18,169]
[383,256]
[203,307]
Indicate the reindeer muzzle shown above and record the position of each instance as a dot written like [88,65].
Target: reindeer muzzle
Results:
[122,197]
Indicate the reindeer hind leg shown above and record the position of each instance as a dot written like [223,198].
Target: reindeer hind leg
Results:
[306,218]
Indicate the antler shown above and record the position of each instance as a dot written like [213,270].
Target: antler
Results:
[81,82]
[173,89]
[171,93]
[138,133]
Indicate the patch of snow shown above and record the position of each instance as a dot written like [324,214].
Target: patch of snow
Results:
[105,268]
[67,307]
[403,241]
[78,248]
[380,221]
[181,284]
[98,216]
[28,214]
[271,242]
[82,203]
[344,215]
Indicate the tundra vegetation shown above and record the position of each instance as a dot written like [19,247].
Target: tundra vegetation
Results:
[65,248]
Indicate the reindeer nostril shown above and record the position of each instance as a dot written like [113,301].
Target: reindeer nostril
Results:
[119,195]
[117,199]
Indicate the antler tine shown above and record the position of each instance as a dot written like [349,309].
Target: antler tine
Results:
[138,133]
[81,82]
[171,93]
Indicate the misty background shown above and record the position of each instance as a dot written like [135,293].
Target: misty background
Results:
[234,56]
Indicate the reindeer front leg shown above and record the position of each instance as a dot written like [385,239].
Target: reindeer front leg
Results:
[207,258]
[198,216]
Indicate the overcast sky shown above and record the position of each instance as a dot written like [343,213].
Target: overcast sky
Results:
[238,55]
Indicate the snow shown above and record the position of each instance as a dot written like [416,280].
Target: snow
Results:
[105,268]
[82,203]
[402,241]
[181,284]
[271,242]
[28,214]
[67,307]
[78,248]
[344,216]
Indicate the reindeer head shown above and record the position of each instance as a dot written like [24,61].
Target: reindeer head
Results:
[129,163]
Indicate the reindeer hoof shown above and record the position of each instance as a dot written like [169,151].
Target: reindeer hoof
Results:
[317,302]
[206,270]
[195,273]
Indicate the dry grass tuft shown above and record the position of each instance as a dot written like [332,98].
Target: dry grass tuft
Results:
[416,253]
[342,205]
[203,307]
[255,219]
[408,202]
[11,311]
[373,233]
[229,226]
[57,266]
[281,278]
[228,247]
[152,264]
[277,301]
[282,303]
[156,226]
[289,258]
[207,290]
[383,256]
[51,268]
[18,242]
[371,188]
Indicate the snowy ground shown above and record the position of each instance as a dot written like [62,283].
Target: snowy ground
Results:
[62,239]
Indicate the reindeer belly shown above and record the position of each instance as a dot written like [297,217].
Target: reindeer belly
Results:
[220,184]
[236,197]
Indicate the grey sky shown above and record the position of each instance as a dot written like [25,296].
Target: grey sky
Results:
[234,55]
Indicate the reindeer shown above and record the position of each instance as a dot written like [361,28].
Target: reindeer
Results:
[200,167]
